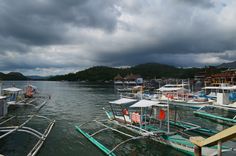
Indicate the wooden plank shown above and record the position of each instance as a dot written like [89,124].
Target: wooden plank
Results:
[223,136]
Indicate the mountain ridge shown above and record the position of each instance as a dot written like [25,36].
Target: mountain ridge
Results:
[104,73]
[147,71]
[227,65]
[12,76]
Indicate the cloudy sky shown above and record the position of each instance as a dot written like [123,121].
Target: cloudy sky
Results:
[48,37]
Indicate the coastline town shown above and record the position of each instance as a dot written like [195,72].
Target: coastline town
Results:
[149,109]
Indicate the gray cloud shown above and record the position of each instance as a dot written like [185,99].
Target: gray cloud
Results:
[46,22]
[57,35]
[201,3]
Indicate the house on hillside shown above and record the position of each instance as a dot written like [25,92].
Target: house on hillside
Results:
[118,80]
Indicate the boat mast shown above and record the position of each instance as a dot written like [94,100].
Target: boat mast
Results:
[141,118]
[168,117]
[0,87]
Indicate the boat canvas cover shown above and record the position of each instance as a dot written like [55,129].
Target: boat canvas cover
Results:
[122,101]
[146,103]
[12,89]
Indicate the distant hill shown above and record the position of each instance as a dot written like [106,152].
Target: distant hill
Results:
[36,77]
[152,70]
[12,76]
[227,65]
[147,71]
[103,73]
[98,73]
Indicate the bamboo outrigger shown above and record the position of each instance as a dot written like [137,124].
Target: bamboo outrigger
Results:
[146,125]
[8,130]
[202,112]
[19,123]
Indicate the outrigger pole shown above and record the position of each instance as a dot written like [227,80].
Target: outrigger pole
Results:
[99,145]
[95,142]
[168,117]
[22,128]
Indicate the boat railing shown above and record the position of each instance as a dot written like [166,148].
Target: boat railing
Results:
[234,117]
[217,139]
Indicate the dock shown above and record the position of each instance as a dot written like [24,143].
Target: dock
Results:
[217,139]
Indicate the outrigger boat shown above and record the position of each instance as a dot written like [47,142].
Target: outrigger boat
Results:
[17,97]
[180,96]
[147,123]
[10,124]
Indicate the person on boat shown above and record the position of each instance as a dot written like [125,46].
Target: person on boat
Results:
[135,117]
[125,111]
[29,92]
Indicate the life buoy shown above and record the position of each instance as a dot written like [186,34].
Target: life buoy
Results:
[162,114]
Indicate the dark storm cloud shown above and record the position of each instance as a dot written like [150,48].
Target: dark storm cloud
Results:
[201,27]
[45,22]
[45,34]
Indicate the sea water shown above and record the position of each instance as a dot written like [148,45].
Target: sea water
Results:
[73,103]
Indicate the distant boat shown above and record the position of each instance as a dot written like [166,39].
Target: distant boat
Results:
[18,97]
[223,95]
[14,95]
[178,94]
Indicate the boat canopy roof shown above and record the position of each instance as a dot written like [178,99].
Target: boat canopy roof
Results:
[137,87]
[169,89]
[175,85]
[123,101]
[147,103]
[12,89]
[221,87]
[2,97]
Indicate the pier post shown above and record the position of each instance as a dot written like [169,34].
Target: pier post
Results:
[197,151]
[219,148]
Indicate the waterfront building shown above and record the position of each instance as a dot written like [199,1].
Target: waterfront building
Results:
[227,76]
[128,80]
